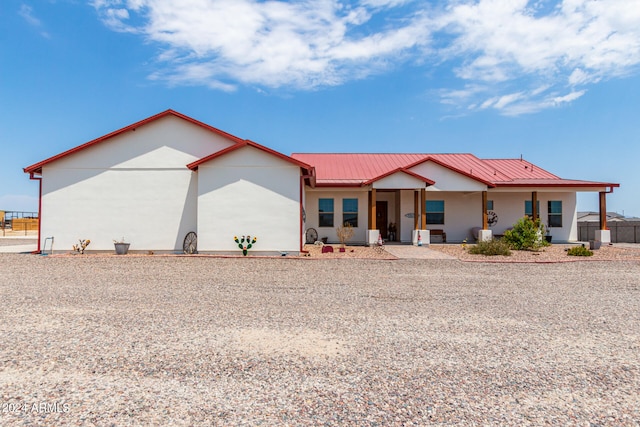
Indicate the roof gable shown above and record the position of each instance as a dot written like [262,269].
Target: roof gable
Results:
[247,143]
[37,167]
[402,175]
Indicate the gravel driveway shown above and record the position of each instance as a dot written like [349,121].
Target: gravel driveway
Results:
[106,340]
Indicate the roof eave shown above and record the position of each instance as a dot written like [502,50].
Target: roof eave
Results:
[557,185]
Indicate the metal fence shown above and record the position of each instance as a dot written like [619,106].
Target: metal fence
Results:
[621,231]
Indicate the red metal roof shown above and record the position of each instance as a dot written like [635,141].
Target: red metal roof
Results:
[37,167]
[247,143]
[352,170]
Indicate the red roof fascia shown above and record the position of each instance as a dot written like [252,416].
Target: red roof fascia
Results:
[429,158]
[37,167]
[247,143]
[339,184]
[555,183]
[403,170]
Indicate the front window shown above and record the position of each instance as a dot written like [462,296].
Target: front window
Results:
[435,211]
[554,210]
[350,212]
[325,212]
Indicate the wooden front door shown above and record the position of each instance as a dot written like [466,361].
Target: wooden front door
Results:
[381,218]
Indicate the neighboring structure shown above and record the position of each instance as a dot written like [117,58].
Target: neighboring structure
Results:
[163,177]
[622,229]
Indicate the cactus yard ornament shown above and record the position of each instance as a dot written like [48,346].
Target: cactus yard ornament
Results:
[245,243]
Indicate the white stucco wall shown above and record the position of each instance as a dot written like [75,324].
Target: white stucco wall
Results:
[509,206]
[135,185]
[463,211]
[311,207]
[446,179]
[406,215]
[249,192]
[398,180]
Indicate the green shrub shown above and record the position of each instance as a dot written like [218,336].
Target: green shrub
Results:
[526,234]
[490,247]
[579,251]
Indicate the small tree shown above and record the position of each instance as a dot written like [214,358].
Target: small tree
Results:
[526,234]
[345,233]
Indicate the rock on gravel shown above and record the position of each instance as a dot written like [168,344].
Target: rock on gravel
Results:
[158,340]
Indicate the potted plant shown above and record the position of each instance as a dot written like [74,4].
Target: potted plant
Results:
[121,246]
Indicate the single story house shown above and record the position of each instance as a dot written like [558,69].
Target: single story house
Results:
[157,180]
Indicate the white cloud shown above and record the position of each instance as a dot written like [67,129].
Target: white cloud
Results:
[26,12]
[524,53]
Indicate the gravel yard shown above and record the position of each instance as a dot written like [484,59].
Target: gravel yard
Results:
[161,340]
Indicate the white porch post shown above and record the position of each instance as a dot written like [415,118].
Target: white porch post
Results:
[485,233]
[372,232]
[603,235]
[420,235]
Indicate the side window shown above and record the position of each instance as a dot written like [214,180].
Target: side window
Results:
[350,212]
[435,211]
[554,210]
[325,212]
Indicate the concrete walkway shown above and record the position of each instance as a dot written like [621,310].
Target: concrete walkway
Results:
[15,245]
[415,252]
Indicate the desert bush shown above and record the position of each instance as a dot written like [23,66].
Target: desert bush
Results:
[345,233]
[526,234]
[490,247]
[579,251]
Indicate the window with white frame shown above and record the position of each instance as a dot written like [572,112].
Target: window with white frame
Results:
[350,212]
[325,212]
[554,212]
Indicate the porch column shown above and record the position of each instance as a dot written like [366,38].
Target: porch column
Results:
[484,234]
[423,209]
[603,235]
[369,221]
[485,218]
[416,210]
[603,210]
[372,226]
[372,233]
[534,205]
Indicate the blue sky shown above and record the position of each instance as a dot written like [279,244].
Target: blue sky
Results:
[557,82]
